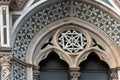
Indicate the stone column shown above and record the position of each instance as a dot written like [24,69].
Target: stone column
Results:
[113,74]
[5,67]
[74,73]
[36,73]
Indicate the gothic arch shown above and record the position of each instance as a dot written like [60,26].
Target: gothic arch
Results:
[39,21]
[110,50]
[40,11]
[101,54]
[44,53]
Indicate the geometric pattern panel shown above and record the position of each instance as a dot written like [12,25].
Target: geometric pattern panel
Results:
[59,10]
[72,41]
[19,72]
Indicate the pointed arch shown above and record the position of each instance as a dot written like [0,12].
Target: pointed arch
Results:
[113,50]
[101,54]
[37,13]
[93,68]
[54,68]
[44,53]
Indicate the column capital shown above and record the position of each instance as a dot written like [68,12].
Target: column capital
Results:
[36,73]
[74,73]
[6,60]
[114,74]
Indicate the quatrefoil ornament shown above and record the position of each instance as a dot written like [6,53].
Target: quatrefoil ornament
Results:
[72,41]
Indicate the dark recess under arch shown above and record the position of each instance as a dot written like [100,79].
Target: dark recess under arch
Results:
[94,69]
[53,68]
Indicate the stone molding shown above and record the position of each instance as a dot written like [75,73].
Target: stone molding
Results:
[22,62]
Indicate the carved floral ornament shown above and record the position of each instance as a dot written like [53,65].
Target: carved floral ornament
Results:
[72,39]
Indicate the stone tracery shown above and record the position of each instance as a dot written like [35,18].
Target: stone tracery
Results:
[72,41]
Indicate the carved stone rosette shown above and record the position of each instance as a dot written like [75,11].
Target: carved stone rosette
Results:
[113,74]
[74,73]
[5,67]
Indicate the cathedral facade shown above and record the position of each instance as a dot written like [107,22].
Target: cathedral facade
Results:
[60,39]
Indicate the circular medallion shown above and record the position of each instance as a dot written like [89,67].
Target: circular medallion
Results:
[72,40]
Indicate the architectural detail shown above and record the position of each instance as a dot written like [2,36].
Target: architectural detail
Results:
[74,73]
[117,2]
[118,68]
[36,73]
[5,1]
[98,45]
[19,72]
[4,25]
[17,4]
[72,41]
[6,67]
[113,74]
[83,10]
[31,30]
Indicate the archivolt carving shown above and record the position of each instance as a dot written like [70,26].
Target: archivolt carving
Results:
[58,10]
[41,16]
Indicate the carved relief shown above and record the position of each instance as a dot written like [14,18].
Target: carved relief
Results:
[36,73]
[6,73]
[6,66]
[113,74]
[74,73]
[72,40]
